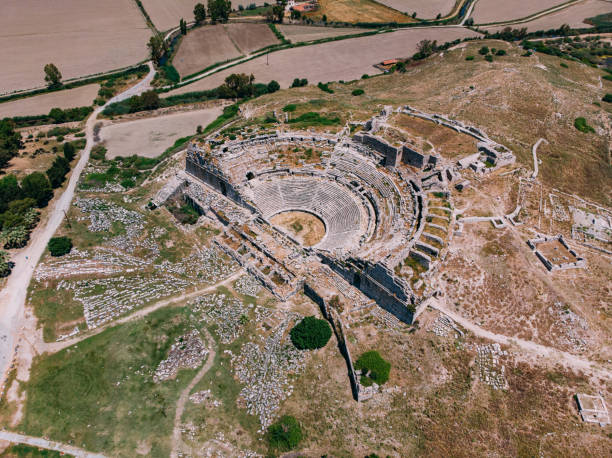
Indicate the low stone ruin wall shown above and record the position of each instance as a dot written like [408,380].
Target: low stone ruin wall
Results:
[336,324]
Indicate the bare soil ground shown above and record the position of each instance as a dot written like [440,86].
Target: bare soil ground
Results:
[330,61]
[359,11]
[203,47]
[80,37]
[298,33]
[573,16]
[305,227]
[487,11]
[151,137]
[447,142]
[251,37]
[166,15]
[42,104]
[424,10]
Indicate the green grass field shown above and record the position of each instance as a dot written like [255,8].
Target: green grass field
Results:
[99,394]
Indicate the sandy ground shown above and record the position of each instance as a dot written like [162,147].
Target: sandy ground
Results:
[424,9]
[311,229]
[203,47]
[486,11]
[81,37]
[42,104]
[331,61]
[297,33]
[151,137]
[573,16]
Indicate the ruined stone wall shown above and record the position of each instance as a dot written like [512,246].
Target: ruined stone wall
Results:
[414,158]
[378,283]
[336,324]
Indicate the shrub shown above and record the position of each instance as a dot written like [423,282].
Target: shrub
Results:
[582,126]
[469,58]
[299,82]
[98,153]
[374,369]
[500,52]
[5,265]
[489,58]
[483,51]
[285,434]
[69,151]
[273,86]
[290,108]
[564,65]
[325,87]
[59,246]
[358,92]
[365,76]
[607,98]
[310,333]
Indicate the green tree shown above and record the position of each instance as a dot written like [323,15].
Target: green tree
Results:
[5,265]
[483,51]
[157,47]
[16,237]
[199,13]
[183,26]
[52,75]
[426,48]
[57,172]
[310,333]
[69,151]
[149,100]
[20,213]
[374,369]
[10,142]
[37,186]
[237,85]
[219,10]
[607,98]
[273,86]
[59,246]
[9,191]
[278,11]
[285,434]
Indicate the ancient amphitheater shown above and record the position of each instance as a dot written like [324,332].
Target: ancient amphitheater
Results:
[383,207]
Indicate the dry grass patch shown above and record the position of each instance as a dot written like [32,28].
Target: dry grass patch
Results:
[359,11]
[305,227]
[424,10]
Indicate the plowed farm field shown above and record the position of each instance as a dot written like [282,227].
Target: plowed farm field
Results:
[332,61]
[424,10]
[81,37]
[208,45]
[487,11]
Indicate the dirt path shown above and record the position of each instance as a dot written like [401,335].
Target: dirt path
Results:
[534,150]
[53,347]
[180,405]
[13,296]
[16,438]
[540,352]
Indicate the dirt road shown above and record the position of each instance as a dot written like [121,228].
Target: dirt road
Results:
[540,352]
[180,405]
[16,438]
[13,296]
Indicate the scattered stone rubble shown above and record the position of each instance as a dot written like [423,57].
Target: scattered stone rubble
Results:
[264,370]
[187,352]
[488,366]
[200,397]
[228,313]
[444,326]
[248,285]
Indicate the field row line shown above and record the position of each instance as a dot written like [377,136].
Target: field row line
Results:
[534,16]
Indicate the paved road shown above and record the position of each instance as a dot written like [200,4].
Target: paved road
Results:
[49,445]
[184,397]
[13,296]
